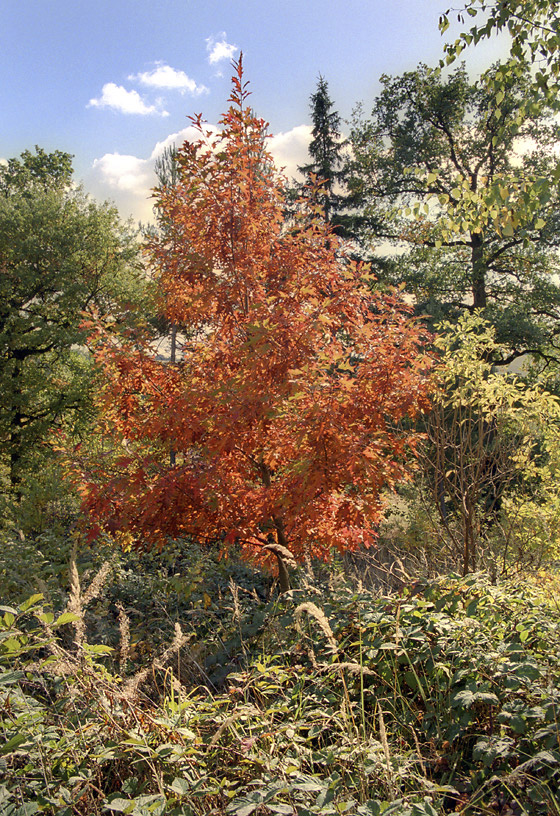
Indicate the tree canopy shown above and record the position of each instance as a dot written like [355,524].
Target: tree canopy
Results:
[61,255]
[534,28]
[452,171]
[282,406]
[40,169]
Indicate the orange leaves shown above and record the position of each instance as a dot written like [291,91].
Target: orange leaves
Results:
[281,410]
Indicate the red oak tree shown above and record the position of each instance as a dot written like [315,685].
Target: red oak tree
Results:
[282,406]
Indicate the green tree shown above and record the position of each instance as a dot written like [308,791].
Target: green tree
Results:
[167,168]
[61,256]
[440,165]
[534,28]
[329,187]
[40,169]
[323,172]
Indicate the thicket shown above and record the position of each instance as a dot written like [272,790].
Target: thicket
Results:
[203,692]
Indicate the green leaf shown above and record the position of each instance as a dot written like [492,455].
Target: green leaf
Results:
[485,697]
[309,785]
[370,808]
[121,805]
[9,678]
[244,805]
[150,805]
[507,229]
[180,786]
[546,758]
[462,699]
[66,617]
[32,601]
[12,744]
[27,809]
[98,648]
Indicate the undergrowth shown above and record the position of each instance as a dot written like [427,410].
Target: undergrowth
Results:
[328,700]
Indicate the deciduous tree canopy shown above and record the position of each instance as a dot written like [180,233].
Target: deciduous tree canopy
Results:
[60,255]
[281,408]
[461,174]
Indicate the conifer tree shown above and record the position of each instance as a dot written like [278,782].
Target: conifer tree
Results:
[323,172]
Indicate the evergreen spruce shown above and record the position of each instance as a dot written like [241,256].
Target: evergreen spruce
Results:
[325,150]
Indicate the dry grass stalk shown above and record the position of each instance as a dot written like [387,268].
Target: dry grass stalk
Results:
[353,668]
[386,752]
[130,688]
[234,589]
[318,614]
[78,601]
[124,631]
[94,589]
[75,605]
[419,752]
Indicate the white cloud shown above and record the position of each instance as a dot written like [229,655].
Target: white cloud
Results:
[122,172]
[119,99]
[219,49]
[188,134]
[290,150]
[133,174]
[128,179]
[164,76]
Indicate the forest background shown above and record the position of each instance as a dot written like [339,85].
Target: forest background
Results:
[359,368]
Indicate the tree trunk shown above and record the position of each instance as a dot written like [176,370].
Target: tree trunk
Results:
[478,271]
[16,422]
[173,359]
[283,576]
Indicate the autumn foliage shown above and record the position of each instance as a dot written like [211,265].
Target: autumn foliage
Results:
[282,407]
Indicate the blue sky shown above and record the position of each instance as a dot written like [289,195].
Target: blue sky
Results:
[114,81]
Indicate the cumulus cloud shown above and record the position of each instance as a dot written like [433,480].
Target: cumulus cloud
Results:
[129,179]
[219,49]
[290,150]
[164,76]
[119,99]
[121,172]
[188,134]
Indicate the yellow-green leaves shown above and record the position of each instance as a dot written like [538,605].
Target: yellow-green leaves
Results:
[493,447]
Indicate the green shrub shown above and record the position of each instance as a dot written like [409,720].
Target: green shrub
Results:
[441,699]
